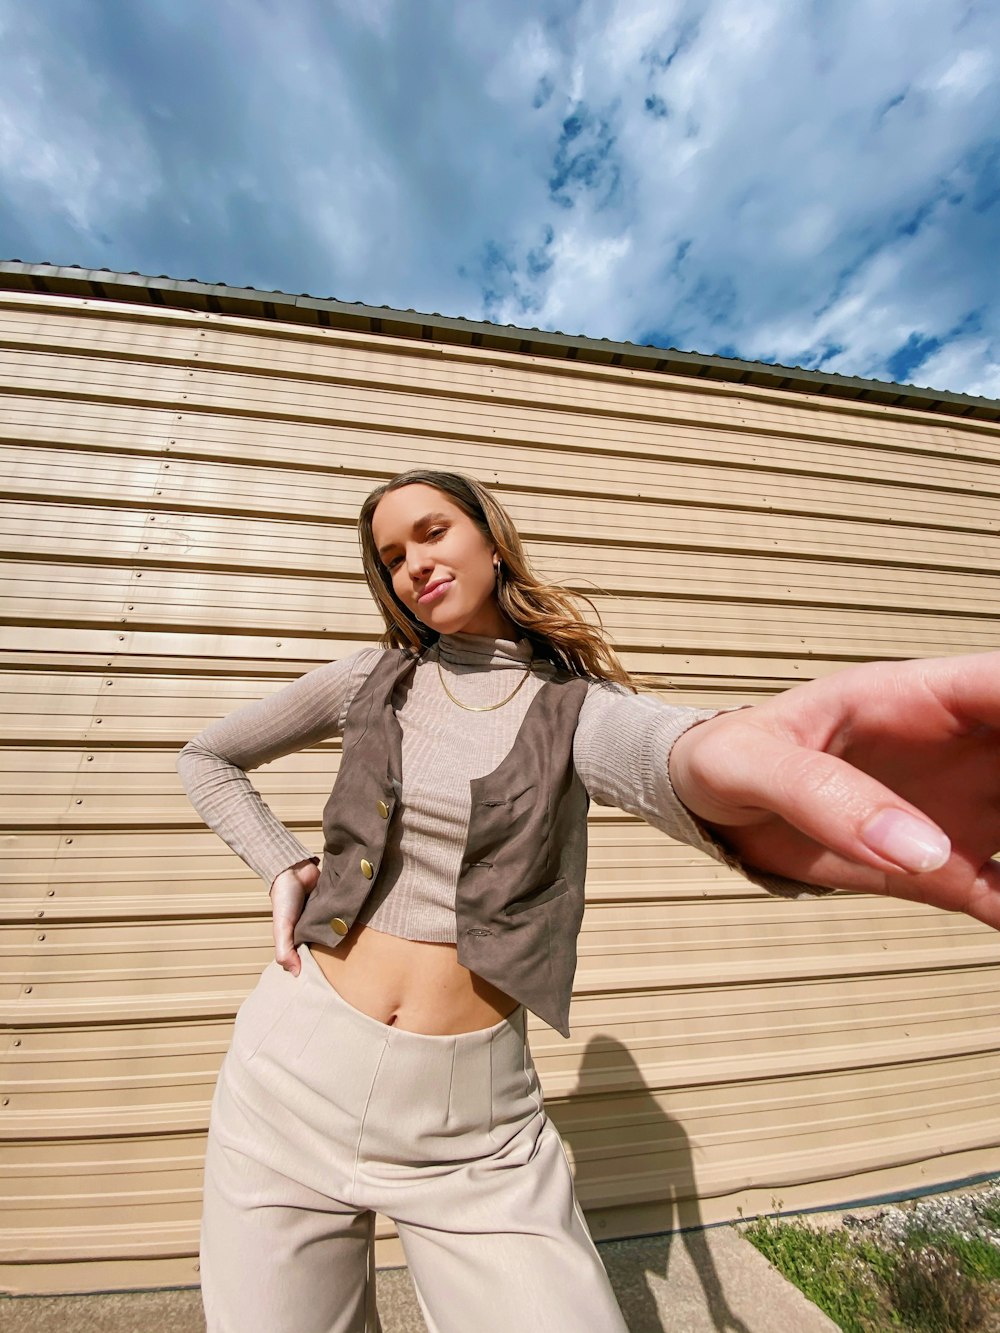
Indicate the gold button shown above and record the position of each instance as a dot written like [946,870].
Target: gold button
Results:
[383,809]
[367,869]
[339,925]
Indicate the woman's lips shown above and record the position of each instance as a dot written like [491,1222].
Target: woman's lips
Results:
[435,592]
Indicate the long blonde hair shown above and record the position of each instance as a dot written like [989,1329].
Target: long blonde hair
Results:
[545,613]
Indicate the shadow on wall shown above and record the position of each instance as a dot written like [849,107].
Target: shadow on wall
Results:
[664,1142]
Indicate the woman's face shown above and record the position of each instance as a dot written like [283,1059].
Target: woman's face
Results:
[440,564]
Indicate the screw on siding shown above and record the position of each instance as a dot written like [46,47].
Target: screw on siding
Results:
[42,936]
[39,915]
[121,638]
[17,1041]
[6,1101]
[27,990]
[50,893]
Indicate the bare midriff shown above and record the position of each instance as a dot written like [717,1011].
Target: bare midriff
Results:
[414,985]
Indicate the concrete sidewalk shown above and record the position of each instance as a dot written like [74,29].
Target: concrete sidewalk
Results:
[700,1281]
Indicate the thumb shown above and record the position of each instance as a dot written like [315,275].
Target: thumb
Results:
[284,943]
[308,875]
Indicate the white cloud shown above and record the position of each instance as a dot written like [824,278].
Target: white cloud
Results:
[818,184]
[971,362]
[66,147]
[518,69]
[794,188]
[582,264]
[967,76]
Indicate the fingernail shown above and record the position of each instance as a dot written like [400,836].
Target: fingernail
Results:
[906,841]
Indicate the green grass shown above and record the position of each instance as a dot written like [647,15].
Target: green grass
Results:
[978,1259]
[845,1277]
[923,1277]
[931,1293]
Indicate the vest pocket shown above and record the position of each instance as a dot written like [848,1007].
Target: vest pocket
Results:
[537,897]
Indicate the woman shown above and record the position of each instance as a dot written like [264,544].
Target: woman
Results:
[381,1062]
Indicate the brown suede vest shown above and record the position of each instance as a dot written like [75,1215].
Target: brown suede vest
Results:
[519,901]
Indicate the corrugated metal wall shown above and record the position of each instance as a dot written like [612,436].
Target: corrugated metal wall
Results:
[178,499]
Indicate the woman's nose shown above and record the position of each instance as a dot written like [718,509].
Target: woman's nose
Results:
[418,562]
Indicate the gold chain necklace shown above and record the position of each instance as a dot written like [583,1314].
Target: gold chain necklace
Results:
[482,708]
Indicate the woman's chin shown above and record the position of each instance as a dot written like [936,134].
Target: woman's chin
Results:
[447,626]
[453,621]
[440,624]
[451,625]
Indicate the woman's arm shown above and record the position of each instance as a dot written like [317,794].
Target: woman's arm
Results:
[213,766]
[622,750]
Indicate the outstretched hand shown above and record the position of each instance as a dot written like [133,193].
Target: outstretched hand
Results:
[882,778]
[288,895]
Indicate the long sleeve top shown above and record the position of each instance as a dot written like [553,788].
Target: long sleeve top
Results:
[621,751]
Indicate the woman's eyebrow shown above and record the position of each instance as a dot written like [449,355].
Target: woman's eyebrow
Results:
[417,523]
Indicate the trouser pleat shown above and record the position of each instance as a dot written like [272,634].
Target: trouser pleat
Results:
[323,1117]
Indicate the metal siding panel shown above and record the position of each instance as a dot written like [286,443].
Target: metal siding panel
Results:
[187,339]
[94,425]
[170,479]
[48,530]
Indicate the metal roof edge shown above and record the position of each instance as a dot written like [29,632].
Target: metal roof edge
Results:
[220,298]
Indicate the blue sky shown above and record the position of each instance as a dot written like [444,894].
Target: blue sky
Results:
[814,182]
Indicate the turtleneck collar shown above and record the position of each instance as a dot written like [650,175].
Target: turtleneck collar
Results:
[482,650]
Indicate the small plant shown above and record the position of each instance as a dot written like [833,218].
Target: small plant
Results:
[978,1259]
[931,1292]
[844,1276]
[933,1267]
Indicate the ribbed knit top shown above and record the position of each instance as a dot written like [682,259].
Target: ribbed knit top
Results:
[621,749]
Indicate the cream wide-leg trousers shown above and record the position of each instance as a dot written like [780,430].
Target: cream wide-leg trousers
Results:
[323,1116]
